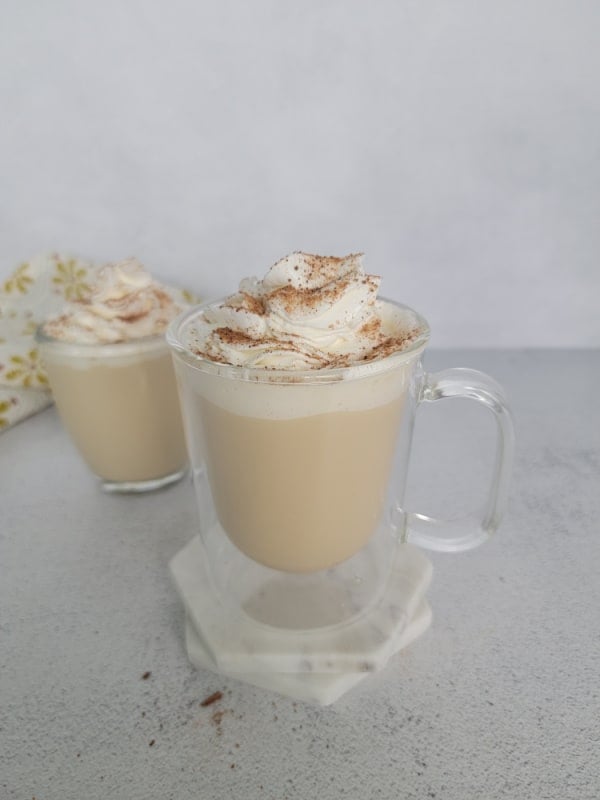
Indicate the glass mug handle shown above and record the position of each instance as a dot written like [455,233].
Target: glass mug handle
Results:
[472,530]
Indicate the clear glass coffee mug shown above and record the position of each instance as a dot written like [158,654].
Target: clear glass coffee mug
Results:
[119,404]
[300,478]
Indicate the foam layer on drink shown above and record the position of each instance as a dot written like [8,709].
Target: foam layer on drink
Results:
[125,303]
[355,389]
[85,356]
[308,312]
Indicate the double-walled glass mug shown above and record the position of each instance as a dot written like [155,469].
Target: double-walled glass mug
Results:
[119,404]
[300,478]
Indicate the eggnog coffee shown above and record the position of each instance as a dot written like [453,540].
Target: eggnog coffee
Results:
[293,392]
[112,378]
[121,409]
[308,511]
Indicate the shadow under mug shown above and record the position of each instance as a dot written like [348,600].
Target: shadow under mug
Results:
[300,477]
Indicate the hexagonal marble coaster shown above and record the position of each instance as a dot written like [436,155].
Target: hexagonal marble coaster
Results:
[237,643]
[310,687]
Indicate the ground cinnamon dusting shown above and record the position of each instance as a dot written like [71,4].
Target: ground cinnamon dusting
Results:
[326,265]
[231,336]
[219,359]
[320,284]
[292,298]
[371,328]
[132,316]
[390,345]
[163,298]
[249,303]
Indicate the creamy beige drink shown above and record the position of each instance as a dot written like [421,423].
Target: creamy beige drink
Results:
[305,513]
[293,392]
[112,378]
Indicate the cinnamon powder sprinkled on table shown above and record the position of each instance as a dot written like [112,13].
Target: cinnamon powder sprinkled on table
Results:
[218,716]
[212,698]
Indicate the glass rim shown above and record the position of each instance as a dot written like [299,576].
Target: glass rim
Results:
[291,376]
[107,349]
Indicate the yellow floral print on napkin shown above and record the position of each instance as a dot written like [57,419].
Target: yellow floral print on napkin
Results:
[5,407]
[34,291]
[27,371]
[70,277]
[19,281]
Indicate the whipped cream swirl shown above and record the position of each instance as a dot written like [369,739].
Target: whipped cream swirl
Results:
[124,303]
[308,312]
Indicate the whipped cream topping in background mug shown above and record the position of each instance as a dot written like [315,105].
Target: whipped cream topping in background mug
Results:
[124,303]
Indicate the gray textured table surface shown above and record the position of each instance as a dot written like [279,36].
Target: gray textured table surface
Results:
[499,699]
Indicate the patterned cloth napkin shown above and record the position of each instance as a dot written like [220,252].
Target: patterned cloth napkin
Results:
[37,289]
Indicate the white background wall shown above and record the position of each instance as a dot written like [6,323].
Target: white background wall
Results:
[457,143]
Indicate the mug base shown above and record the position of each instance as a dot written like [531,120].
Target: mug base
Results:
[239,645]
[320,689]
[139,487]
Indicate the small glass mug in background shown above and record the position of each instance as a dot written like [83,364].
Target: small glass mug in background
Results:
[119,404]
[293,470]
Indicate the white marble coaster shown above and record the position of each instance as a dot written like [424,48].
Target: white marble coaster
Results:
[236,643]
[311,687]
